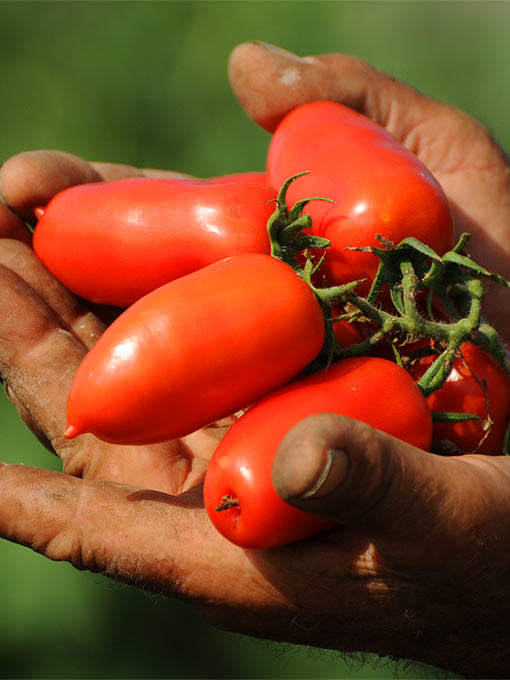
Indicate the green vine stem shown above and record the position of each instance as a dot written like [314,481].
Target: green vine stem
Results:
[407,271]
[416,278]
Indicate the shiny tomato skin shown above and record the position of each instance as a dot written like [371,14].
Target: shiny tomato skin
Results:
[196,350]
[463,393]
[113,242]
[376,185]
[373,390]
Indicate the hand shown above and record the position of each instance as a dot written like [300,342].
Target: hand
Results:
[420,572]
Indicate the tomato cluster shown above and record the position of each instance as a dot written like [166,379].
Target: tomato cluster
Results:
[218,319]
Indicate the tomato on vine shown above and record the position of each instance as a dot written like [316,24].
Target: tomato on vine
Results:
[196,350]
[377,186]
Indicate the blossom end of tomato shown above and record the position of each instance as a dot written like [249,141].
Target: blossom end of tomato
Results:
[71,432]
[227,502]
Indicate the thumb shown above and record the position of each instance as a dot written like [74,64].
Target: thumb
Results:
[269,82]
[342,469]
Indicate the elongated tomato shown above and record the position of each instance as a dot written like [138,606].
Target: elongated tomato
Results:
[113,242]
[239,476]
[376,185]
[196,350]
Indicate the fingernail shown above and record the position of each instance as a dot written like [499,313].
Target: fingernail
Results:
[277,50]
[331,475]
[8,391]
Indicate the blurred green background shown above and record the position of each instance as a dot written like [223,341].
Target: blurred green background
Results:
[145,83]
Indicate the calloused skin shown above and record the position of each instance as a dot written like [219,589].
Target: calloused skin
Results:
[420,567]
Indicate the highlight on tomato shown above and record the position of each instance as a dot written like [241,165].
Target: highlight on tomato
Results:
[113,242]
[238,490]
[196,350]
[377,187]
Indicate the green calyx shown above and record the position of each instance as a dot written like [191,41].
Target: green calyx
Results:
[285,228]
[416,295]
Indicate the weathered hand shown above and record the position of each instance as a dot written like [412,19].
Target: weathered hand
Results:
[418,570]
[418,567]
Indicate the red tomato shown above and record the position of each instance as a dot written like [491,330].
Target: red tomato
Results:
[377,186]
[196,350]
[346,333]
[373,390]
[463,393]
[113,242]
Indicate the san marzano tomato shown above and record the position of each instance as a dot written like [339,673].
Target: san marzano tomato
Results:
[196,350]
[373,390]
[376,185]
[113,242]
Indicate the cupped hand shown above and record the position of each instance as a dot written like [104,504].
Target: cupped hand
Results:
[418,566]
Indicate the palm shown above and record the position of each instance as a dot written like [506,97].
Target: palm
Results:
[171,467]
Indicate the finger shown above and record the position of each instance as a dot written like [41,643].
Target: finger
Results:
[64,518]
[125,533]
[114,171]
[412,504]
[12,227]
[167,544]
[165,174]
[269,82]
[342,468]
[27,418]
[110,172]
[38,357]
[70,311]
[32,178]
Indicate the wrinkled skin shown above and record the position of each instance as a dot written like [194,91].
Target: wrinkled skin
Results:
[421,569]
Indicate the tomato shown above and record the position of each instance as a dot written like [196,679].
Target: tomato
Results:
[463,392]
[373,390]
[196,350]
[113,242]
[346,333]
[376,185]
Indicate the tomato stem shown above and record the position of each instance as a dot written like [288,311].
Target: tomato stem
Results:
[227,502]
[285,228]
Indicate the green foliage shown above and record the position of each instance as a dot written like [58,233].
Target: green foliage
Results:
[145,83]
